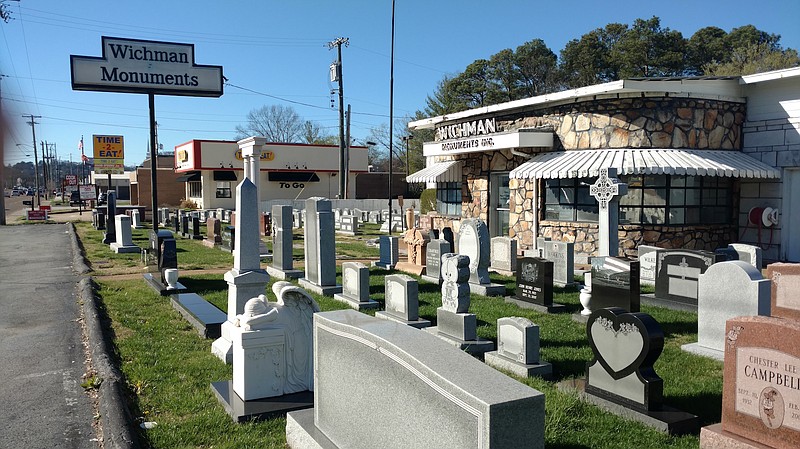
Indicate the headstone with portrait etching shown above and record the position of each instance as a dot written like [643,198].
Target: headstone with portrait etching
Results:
[535,286]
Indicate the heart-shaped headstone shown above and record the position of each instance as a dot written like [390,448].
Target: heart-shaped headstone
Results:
[624,342]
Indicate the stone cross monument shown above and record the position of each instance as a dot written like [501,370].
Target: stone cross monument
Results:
[607,190]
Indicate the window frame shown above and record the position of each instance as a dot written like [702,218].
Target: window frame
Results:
[195,189]
[448,198]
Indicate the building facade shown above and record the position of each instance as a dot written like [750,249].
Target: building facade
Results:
[701,157]
[211,170]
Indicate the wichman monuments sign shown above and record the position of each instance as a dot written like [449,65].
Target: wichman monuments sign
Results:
[138,66]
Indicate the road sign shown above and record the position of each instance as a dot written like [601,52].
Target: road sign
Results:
[72,180]
[36,215]
[109,154]
[88,192]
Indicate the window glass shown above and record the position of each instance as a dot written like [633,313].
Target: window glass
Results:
[655,180]
[653,215]
[448,198]
[676,197]
[632,198]
[677,181]
[677,215]
[654,197]
[630,214]
[692,197]
[195,189]
[223,189]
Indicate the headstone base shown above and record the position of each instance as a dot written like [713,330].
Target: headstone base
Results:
[697,348]
[431,279]
[503,272]
[567,285]
[222,348]
[541,369]
[164,290]
[553,308]
[650,299]
[277,273]
[209,243]
[410,268]
[476,348]
[324,290]
[580,318]
[668,420]
[302,433]
[419,324]
[354,303]
[713,437]
[487,289]
[257,409]
[120,248]
[203,316]
[385,266]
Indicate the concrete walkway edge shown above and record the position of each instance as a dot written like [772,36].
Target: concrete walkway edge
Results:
[117,422]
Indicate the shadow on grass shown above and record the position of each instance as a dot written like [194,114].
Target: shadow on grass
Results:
[202,286]
[708,406]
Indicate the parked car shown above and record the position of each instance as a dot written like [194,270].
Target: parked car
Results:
[75,199]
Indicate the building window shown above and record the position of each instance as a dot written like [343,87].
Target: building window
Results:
[448,198]
[676,200]
[195,189]
[569,200]
[651,199]
[223,189]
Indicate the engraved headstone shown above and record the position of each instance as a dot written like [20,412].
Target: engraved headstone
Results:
[518,348]
[726,290]
[563,256]
[535,286]
[282,266]
[785,300]
[389,252]
[607,191]
[615,283]
[402,301]
[228,238]
[647,264]
[355,287]
[123,242]
[678,272]
[348,225]
[320,248]
[455,324]
[433,260]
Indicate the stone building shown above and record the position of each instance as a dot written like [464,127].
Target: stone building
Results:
[708,161]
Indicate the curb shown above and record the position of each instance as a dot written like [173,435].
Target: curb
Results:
[116,419]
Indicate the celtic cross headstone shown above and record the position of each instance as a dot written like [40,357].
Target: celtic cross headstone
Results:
[607,190]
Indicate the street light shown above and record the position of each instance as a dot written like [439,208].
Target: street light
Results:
[406,139]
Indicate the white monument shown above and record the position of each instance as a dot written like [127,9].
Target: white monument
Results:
[607,190]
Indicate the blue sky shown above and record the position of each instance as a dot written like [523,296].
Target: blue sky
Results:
[277,48]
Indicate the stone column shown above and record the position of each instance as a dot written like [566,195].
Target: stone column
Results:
[251,148]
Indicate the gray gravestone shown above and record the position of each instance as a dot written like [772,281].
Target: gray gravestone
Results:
[320,247]
[678,272]
[402,301]
[748,253]
[607,191]
[123,242]
[136,219]
[503,255]
[615,283]
[473,242]
[562,255]
[355,286]
[433,260]
[423,392]
[518,348]
[348,225]
[389,252]
[454,324]
[726,290]
[647,264]
[282,250]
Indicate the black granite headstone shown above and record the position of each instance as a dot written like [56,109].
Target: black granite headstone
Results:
[176,224]
[535,281]
[196,228]
[449,237]
[185,226]
[678,272]
[169,257]
[433,259]
[615,283]
[228,238]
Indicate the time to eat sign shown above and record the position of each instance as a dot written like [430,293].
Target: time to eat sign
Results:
[109,154]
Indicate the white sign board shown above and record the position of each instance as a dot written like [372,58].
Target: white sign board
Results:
[87,192]
[489,142]
[138,66]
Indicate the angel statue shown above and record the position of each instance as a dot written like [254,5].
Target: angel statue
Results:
[294,313]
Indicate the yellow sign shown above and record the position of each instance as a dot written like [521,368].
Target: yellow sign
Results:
[109,154]
[183,156]
[265,155]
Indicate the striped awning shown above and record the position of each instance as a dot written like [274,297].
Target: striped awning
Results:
[637,161]
[448,171]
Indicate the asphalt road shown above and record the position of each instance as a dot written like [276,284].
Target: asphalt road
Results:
[43,404]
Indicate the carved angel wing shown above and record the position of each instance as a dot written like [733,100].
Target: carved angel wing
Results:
[290,295]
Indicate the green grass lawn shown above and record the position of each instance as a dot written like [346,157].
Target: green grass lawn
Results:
[168,366]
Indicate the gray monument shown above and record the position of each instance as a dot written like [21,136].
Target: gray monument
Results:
[473,242]
[433,260]
[402,301]
[355,287]
[607,190]
[320,247]
[518,348]
[123,242]
[389,252]
[503,256]
[282,266]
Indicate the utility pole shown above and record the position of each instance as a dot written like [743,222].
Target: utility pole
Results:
[391,119]
[3,181]
[44,167]
[35,158]
[347,156]
[338,74]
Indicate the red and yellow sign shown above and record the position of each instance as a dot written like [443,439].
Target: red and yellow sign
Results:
[109,154]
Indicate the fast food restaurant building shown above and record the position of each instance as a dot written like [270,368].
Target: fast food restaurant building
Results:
[212,169]
[708,161]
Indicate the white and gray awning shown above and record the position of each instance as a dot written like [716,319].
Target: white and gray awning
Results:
[638,161]
[448,171]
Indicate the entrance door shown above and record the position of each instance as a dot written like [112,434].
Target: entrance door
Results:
[500,202]
[790,216]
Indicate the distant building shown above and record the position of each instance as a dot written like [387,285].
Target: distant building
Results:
[170,191]
[703,158]
[211,170]
[120,184]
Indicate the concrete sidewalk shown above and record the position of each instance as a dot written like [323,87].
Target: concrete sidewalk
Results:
[44,405]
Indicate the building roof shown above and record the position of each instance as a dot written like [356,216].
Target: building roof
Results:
[636,161]
[448,171]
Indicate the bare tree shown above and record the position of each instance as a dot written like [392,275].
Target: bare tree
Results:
[277,123]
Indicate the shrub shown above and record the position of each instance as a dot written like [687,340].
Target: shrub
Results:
[188,204]
[427,201]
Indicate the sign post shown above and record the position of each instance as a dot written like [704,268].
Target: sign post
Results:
[146,67]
